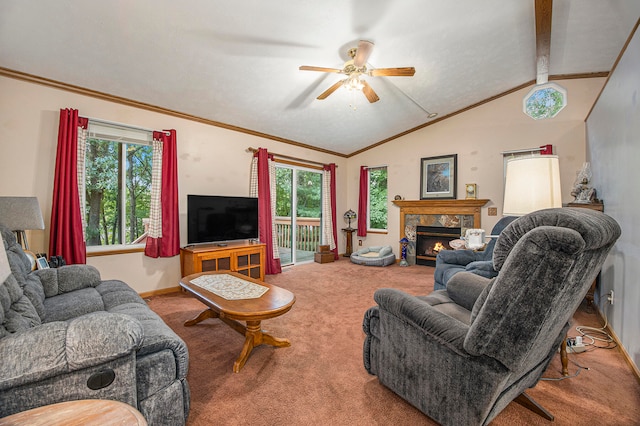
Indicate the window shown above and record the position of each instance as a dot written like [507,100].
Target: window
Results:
[117,179]
[298,213]
[377,199]
[545,101]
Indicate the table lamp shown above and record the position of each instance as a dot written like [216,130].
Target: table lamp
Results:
[20,214]
[349,215]
[531,183]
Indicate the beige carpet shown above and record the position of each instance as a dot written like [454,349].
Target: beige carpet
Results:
[320,379]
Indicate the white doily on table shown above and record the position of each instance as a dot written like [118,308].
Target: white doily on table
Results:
[230,287]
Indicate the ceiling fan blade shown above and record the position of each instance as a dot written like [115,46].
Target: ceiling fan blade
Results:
[362,54]
[321,69]
[330,90]
[369,93]
[393,72]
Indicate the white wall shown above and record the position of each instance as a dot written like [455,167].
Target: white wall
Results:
[211,160]
[479,136]
[613,146]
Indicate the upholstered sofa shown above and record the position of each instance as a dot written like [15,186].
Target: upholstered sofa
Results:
[462,354]
[65,334]
[374,256]
[450,262]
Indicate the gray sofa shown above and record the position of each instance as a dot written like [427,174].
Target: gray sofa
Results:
[450,262]
[65,334]
[461,354]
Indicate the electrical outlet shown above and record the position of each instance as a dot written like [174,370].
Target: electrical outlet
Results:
[610,297]
[493,211]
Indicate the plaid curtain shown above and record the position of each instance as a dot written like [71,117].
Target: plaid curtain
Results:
[155,207]
[263,185]
[329,231]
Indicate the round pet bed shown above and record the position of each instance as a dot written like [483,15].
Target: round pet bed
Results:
[374,256]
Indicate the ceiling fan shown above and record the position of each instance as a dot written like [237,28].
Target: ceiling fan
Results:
[357,67]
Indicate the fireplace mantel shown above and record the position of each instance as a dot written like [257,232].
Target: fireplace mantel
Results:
[449,207]
[466,213]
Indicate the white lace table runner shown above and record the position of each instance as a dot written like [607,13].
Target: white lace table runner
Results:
[230,287]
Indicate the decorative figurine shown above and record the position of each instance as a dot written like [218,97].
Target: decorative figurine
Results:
[582,191]
[403,261]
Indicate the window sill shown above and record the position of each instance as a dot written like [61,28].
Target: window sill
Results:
[377,231]
[94,252]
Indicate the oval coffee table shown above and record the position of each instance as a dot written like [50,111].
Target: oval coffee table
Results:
[274,302]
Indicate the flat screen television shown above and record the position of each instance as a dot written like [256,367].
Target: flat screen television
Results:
[214,218]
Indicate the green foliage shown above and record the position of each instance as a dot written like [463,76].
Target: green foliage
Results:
[308,190]
[544,103]
[104,183]
[378,198]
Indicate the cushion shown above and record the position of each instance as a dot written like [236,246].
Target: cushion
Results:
[17,313]
[370,254]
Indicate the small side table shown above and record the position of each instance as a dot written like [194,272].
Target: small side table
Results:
[84,412]
[349,231]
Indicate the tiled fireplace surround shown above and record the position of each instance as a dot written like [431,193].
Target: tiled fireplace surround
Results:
[462,214]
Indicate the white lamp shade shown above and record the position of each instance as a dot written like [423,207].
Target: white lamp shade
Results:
[531,183]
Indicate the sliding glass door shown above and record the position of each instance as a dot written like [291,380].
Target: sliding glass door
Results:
[298,213]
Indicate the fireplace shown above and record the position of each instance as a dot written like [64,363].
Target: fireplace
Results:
[430,240]
[457,214]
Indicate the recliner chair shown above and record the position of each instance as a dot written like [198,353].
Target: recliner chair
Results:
[450,262]
[462,354]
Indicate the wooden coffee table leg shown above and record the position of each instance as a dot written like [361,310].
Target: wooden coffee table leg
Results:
[254,336]
[207,313]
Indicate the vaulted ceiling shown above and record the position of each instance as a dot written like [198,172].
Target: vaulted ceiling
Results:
[236,63]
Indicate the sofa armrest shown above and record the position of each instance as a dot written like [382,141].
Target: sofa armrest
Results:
[458,257]
[61,347]
[482,267]
[67,278]
[447,330]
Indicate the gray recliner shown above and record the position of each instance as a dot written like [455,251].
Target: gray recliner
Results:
[65,334]
[462,354]
[450,262]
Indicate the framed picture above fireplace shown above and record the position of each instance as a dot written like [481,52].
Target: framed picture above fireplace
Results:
[438,177]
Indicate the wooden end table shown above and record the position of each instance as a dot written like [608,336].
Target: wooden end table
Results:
[85,412]
[275,302]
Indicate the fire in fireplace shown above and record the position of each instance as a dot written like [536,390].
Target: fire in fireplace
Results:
[430,240]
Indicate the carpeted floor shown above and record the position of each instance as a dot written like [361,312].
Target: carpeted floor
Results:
[320,379]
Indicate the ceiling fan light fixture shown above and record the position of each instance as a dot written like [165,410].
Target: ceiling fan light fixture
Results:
[353,83]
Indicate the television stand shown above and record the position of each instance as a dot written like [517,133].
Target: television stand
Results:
[243,257]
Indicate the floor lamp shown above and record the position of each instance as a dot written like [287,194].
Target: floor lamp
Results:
[20,214]
[531,183]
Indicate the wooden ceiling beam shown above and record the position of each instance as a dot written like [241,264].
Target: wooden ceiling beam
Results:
[543,39]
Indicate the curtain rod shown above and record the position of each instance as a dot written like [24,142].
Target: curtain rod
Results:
[126,126]
[523,150]
[254,150]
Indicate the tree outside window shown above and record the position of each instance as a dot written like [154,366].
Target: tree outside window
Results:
[378,198]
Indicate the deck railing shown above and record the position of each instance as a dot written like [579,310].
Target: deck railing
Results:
[308,232]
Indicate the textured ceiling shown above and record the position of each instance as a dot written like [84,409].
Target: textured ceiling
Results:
[237,63]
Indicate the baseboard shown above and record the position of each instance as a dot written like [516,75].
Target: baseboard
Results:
[160,292]
[623,350]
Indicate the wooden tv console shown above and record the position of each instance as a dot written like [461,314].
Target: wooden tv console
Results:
[245,258]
